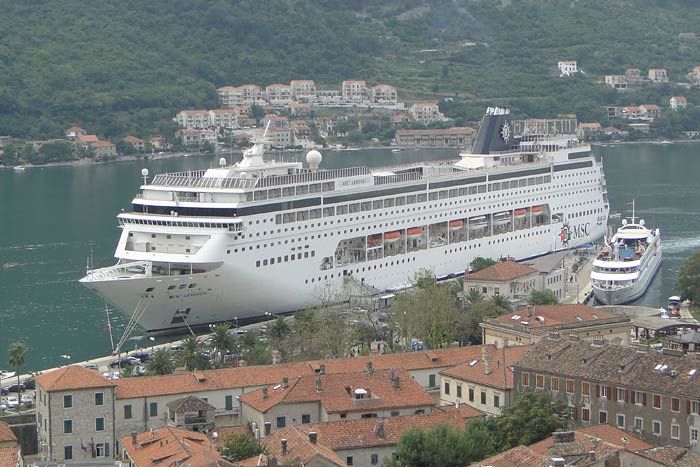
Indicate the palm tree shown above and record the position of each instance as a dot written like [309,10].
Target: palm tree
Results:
[222,341]
[473,297]
[190,355]
[278,331]
[502,302]
[160,363]
[16,358]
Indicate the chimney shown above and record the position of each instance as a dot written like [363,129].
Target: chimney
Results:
[392,375]
[485,358]
[285,382]
[241,362]
[276,356]
[133,438]
[322,369]
[380,429]
[313,437]
[284,447]
[370,370]
[591,456]
[397,382]
[318,384]
[264,393]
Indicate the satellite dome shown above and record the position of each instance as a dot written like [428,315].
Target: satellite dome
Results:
[244,175]
[314,158]
[222,162]
[144,172]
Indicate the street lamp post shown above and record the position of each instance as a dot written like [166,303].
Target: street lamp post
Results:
[235,320]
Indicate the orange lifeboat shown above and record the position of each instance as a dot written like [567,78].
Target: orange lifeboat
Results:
[392,236]
[414,232]
[520,213]
[456,225]
[374,240]
[538,209]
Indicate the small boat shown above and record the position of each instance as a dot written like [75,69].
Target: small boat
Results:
[538,209]
[7,374]
[520,213]
[414,232]
[18,168]
[374,240]
[8,265]
[456,224]
[392,236]
[501,218]
[478,222]
[396,150]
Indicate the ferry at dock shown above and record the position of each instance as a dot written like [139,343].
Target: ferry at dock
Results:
[626,265]
[239,242]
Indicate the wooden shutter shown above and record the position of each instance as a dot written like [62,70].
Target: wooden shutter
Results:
[687,406]
[644,399]
[627,396]
[575,413]
[597,390]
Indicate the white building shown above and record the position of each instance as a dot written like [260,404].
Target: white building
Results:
[567,67]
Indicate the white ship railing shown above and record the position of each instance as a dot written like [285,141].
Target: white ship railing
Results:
[126,270]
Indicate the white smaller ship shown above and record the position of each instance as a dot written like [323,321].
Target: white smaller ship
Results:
[627,263]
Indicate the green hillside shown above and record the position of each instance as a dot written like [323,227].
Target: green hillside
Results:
[129,66]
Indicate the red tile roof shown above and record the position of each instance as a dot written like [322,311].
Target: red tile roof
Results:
[501,376]
[606,433]
[554,315]
[72,377]
[9,456]
[172,446]
[6,433]
[299,448]
[338,394]
[503,271]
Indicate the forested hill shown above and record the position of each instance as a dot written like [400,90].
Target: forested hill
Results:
[127,66]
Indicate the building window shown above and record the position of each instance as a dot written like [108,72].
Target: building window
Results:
[99,398]
[67,401]
[496,400]
[68,426]
[675,404]
[656,427]
[374,415]
[348,460]
[586,415]
[694,407]
[605,392]
[447,388]
[640,397]
[229,402]
[657,401]
[100,424]
[305,418]
[554,382]
[471,394]
[569,386]
[620,395]
[638,423]
[459,391]
[693,436]
[621,421]
[68,452]
[539,381]
[281,422]
[127,412]
[431,381]
[525,379]
[602,417]
[153,409]
[586,389]
[675,431]
[102,450]
[395,413]
[374,459]
[483,397]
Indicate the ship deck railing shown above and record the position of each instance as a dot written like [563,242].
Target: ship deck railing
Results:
[124,270]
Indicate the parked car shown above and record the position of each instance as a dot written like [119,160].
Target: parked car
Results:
[16,388]
[177,348]
[91,366]
[124,362]
[26,400]
[29,383]
[3,406]
[141,355]
[4,391]
[12,402]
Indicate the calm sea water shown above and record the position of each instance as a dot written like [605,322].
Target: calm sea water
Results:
[49,217]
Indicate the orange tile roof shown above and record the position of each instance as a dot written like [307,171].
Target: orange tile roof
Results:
[102,144]
[194,112]
[679,98]
[458,130]
[616,436]
[222,432]
[555,315]
[74,129]
[88,138]
[299,448]
[302,81]
[362,433]
[590,125]
[72,377]
[337,392]
[521,456]
[9,456]
[227,88]
[256,376]
[502,271]
[132,139]
[501,359]
[6,433]
[172,446]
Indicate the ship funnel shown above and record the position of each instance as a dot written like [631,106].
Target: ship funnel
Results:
[495,132]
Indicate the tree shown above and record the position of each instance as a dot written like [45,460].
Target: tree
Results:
[191,355]
[688,282]
[546,297]
[160,363]
[277,332]
[480,263]
[239,447]
[502,302]
[531,418]
[16,357]
[222,341]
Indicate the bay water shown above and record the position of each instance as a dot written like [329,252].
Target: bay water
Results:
[51,218]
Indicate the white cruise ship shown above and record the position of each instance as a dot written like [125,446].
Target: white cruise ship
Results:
[258,237]
[627,263]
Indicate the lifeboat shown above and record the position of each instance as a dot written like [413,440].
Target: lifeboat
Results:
[414,232]
[478,222]
[456,225]
[501,218]
[374,240]
[520,213]
[538,209]
[392,236]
